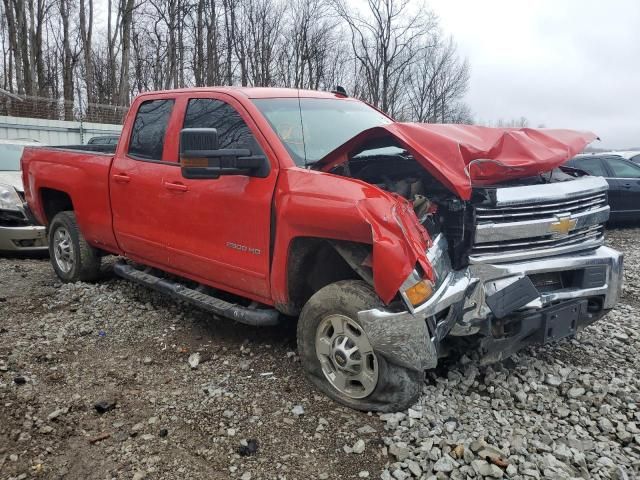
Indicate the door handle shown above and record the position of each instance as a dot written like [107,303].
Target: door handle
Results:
[176,187]
[121,178]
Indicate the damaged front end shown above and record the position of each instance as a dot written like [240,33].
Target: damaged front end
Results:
[514,262]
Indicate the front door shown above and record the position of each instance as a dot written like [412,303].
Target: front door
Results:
[220,230]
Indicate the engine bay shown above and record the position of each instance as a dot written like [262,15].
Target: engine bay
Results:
[394,170]
[437,208]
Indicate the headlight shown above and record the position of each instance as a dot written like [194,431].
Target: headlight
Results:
[9,198]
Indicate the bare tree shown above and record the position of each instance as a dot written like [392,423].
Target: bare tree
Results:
[311,41]
[263,38]
[38,13]
[386,53]
[14,12]
[208,61]
[69,57]
[436,81]
[86,37]
[385,43]
[126,14]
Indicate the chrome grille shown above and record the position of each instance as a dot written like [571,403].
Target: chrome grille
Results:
[576,236]
[551,219]
[540,210]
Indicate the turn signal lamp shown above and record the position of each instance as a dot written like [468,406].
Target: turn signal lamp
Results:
[419,293]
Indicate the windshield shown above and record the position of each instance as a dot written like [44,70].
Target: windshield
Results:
[310,128]
[10,157]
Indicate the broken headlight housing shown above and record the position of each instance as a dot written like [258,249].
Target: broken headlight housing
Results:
[416,289]
[9,198]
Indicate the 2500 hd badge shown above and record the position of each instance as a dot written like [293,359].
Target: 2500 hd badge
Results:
[243,248]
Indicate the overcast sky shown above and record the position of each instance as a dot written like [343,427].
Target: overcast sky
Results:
[563,63]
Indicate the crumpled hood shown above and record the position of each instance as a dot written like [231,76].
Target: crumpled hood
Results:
[12,178]
[462,156]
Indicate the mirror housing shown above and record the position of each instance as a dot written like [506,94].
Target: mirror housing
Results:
[201,157]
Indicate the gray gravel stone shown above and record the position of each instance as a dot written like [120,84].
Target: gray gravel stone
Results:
[445,464]
[576,392]
[358,447]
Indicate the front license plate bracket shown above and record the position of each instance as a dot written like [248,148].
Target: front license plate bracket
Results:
[562,321]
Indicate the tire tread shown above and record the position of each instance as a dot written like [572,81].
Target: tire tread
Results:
[88,258]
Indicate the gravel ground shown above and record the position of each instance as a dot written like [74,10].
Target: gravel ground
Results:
[96,383]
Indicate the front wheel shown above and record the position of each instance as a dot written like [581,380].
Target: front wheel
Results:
[339,358]
[73,259]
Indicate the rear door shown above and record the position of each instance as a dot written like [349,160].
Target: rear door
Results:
[625,185]
[220,228]
[139,201]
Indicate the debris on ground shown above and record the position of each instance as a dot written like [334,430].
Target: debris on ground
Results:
[248,447]
[194,360]
[104,406]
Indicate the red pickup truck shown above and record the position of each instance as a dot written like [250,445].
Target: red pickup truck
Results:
[384,239]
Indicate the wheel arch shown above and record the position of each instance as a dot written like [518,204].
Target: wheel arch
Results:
[54,201]
[313,263]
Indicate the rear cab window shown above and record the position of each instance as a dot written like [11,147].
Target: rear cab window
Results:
[149,129]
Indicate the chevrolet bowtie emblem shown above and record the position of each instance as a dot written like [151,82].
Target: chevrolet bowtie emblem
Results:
[563,226]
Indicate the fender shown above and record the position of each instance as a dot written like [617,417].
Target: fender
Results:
[315,204]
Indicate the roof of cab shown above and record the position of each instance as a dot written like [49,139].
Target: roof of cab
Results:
[254,92]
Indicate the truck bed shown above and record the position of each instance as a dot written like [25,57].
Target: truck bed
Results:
[57,174]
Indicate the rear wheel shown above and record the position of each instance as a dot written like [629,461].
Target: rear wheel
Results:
[339,358]
[73,259]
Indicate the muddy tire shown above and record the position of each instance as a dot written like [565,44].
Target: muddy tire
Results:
[73,259]
[338,358]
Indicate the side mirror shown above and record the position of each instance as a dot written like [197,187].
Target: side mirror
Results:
[201,157]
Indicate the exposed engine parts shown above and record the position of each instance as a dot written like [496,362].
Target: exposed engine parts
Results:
[437,208]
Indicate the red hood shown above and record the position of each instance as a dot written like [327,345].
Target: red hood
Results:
[461,156]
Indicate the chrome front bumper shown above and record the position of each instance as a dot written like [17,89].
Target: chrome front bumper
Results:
[31,238]
[410,338]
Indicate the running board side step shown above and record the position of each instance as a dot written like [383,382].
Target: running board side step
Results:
[248,316]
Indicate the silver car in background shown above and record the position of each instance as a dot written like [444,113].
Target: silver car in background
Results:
[18,233]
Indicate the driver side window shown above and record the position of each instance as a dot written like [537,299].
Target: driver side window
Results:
[233,132]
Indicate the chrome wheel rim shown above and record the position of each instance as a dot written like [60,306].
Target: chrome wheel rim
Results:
[63,249]
[346,356]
